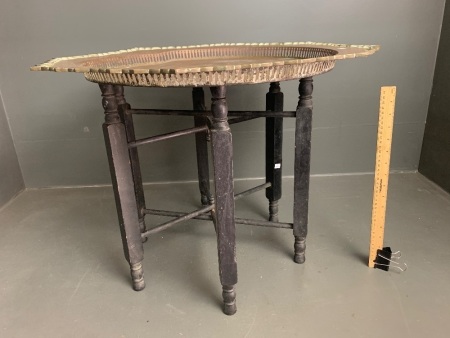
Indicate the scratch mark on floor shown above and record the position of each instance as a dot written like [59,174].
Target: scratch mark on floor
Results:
[252,325]
[78,286]
[170,306]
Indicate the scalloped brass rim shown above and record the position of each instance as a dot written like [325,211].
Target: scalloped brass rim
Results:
[341,51]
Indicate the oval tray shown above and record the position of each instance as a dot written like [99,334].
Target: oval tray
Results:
[208,65]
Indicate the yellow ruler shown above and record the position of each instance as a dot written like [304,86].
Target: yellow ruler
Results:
[380,188]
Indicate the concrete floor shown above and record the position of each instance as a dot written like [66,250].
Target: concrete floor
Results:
[62,273]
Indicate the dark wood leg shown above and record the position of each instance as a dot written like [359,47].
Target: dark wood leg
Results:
[222,151]
[274,147]
[127,120]
[201,142]
[123,184]
[303,128]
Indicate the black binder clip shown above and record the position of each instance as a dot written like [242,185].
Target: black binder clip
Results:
[387,259]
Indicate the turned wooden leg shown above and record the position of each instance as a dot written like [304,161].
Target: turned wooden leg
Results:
[123,184]
[222,152]
[274,147]
[201,142]
[127,120]
[303,128]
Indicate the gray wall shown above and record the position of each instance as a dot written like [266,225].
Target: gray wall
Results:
[55,118]
[11,181]
[435,156]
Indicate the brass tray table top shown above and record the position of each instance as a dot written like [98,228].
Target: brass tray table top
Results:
[208,65]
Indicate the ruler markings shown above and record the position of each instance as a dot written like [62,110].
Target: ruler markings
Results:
[383,154]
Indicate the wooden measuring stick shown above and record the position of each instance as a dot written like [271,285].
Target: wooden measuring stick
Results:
[383,156]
